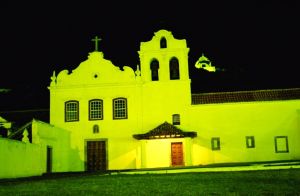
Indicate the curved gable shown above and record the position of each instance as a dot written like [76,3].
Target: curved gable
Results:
[95,70]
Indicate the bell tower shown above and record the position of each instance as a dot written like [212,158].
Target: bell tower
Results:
[164,58]
[165,78]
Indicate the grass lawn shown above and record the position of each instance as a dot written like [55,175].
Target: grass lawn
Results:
[270,182]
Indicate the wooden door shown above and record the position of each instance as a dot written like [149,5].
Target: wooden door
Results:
[96,156]
[177,154]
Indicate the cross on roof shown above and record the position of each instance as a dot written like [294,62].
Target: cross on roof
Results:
[96,40]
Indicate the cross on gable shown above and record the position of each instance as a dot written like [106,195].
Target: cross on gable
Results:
[96,40]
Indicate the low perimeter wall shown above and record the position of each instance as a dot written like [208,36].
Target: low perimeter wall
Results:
[20,159]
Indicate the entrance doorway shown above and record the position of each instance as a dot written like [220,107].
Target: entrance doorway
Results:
[49,159]
[96,156]
[177,154]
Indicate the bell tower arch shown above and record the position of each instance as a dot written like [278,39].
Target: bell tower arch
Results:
[165,56]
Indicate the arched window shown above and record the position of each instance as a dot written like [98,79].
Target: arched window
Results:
[163,43]
[174,69]
[120,108]
[71,111]
[96,109]
[96,129]
[154,66]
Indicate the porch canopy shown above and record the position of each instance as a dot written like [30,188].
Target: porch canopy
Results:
[164,131]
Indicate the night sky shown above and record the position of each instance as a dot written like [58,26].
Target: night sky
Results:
[255,42]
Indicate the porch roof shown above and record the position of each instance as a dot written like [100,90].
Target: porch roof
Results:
[164,131]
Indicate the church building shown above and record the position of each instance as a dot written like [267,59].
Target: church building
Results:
[120,118]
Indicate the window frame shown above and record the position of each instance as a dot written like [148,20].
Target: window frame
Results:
[114,108]
[217,139]
[176,119]
[154,69]
[286,144]
[90,110]
[96,129]
[250,140]
[77,111]
[174,66]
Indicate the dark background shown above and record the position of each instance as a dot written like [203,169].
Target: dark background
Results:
[256,43]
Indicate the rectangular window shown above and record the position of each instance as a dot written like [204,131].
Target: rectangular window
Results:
[250,143]
[176,119]
[120,108]
[71,111]
[96,109]
[281,144]
[215,143]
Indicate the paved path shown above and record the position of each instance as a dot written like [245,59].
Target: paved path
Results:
[252,167]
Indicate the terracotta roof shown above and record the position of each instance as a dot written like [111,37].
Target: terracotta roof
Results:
[165,130]
[246,96]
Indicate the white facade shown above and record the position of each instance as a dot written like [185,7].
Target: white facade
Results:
[110,113]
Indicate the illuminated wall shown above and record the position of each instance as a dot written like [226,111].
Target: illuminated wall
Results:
[57,139]
[97,78]
[158,89]
[232,122]
[157,152]
[166,96]
[20,159]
